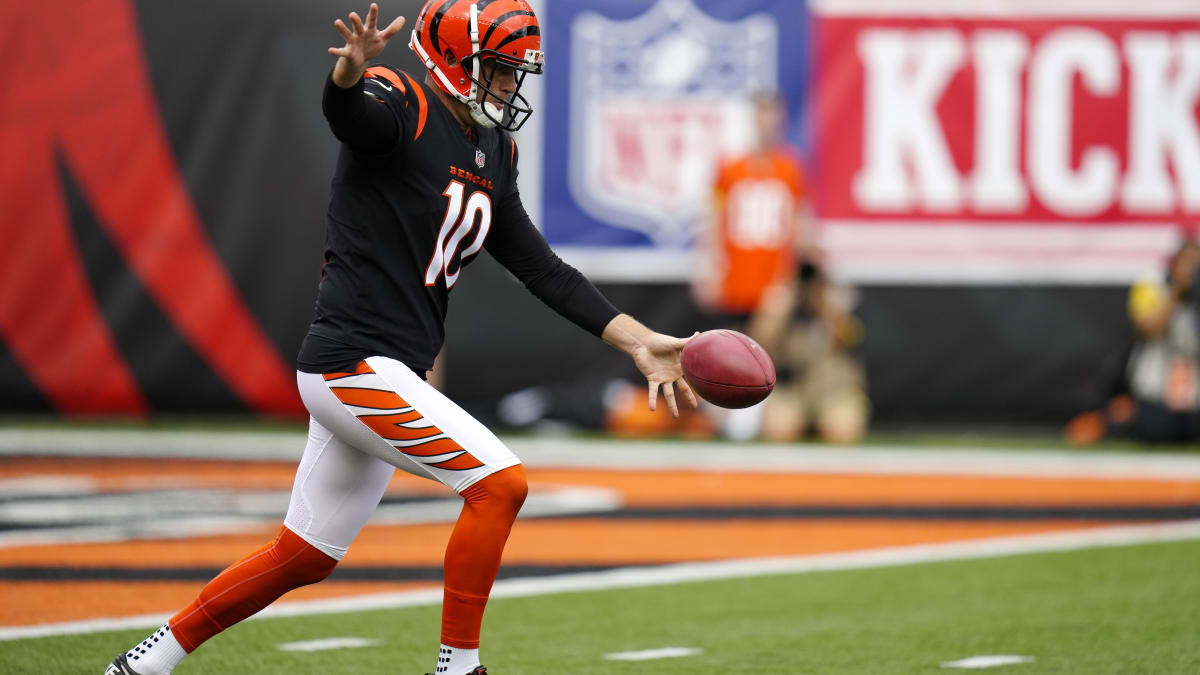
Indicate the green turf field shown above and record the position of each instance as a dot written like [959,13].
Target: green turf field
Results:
[1120,610]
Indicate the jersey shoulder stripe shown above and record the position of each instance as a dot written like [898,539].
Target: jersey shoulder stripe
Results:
[402,88]
[387,74]
[422,104]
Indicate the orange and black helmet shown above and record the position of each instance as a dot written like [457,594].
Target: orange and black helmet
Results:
[480,35]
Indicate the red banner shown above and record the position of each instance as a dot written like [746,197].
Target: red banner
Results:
[1005,145]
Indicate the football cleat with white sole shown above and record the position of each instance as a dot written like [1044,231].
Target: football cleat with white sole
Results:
[120,666]
[479,670]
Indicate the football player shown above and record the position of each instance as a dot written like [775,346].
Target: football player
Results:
[426,179]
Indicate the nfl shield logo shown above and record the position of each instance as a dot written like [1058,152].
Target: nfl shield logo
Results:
[655,102]
[479,158]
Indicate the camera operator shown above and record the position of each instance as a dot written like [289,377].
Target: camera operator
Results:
[1163,367]
[808,328]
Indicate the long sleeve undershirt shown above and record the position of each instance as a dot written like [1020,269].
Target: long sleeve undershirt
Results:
[522,250]
[365,128]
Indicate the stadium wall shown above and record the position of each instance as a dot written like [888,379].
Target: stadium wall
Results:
[163,202]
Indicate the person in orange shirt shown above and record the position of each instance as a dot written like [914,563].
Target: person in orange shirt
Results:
[756,230]
[754,237]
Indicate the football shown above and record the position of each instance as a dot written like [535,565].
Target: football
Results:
[728,369]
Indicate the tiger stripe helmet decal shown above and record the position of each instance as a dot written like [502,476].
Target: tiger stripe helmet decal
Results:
[462,41]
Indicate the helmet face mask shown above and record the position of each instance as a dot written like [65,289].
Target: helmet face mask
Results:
[493,108]
[504,34]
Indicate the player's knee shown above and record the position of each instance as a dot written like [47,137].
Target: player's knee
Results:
[312,567]
[512,486]
[304,563]
[507,488]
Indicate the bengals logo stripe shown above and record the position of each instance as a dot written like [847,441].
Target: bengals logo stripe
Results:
[487,36]
[421,105]
[406,416]
[435,449]
[361,369]
[463,462]
[395,432]
[367,396]
[387,74]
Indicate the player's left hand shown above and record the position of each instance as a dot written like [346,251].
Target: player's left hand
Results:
[658,358]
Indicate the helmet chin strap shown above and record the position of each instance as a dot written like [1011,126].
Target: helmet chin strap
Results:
[472,102]
[481,117]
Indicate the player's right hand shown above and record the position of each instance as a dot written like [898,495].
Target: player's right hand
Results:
[657,356]
[363,43]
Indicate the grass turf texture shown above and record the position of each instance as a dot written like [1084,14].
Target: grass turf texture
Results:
[1120,610]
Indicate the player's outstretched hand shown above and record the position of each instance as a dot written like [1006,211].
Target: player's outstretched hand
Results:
[656,355]
[364,41]
[659,362]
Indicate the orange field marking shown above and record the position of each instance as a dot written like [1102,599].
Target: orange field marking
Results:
[36,602]
[655,488]
[557,541]
[566,541]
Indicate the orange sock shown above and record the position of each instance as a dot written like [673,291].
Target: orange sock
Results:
[249,585]
[473,554]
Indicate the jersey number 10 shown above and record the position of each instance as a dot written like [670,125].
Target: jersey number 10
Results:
[457,224]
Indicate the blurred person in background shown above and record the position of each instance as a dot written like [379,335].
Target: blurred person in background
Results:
[1156,398]
[757,232]
[757,225]
[810,332]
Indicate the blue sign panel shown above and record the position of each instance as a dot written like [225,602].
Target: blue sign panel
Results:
[642,100]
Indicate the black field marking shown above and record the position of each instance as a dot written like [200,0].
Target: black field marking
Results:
[890,512]
[342,573]
[1131,512]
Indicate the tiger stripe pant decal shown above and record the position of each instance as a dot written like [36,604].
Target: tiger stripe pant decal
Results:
[369,398]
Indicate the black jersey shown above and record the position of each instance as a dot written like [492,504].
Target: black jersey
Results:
[413,200]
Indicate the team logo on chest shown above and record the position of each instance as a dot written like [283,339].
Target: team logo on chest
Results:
[479,158]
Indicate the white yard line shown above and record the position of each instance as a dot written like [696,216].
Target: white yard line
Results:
[326,644]
[987,661]
[631,577]
[567,452]
[652,654]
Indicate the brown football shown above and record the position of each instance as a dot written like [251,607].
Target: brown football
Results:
[728,369]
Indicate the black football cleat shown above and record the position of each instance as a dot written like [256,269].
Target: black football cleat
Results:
[120,666]
[479,670]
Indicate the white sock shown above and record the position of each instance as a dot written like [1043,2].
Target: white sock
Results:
[157,654]
[455,661]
